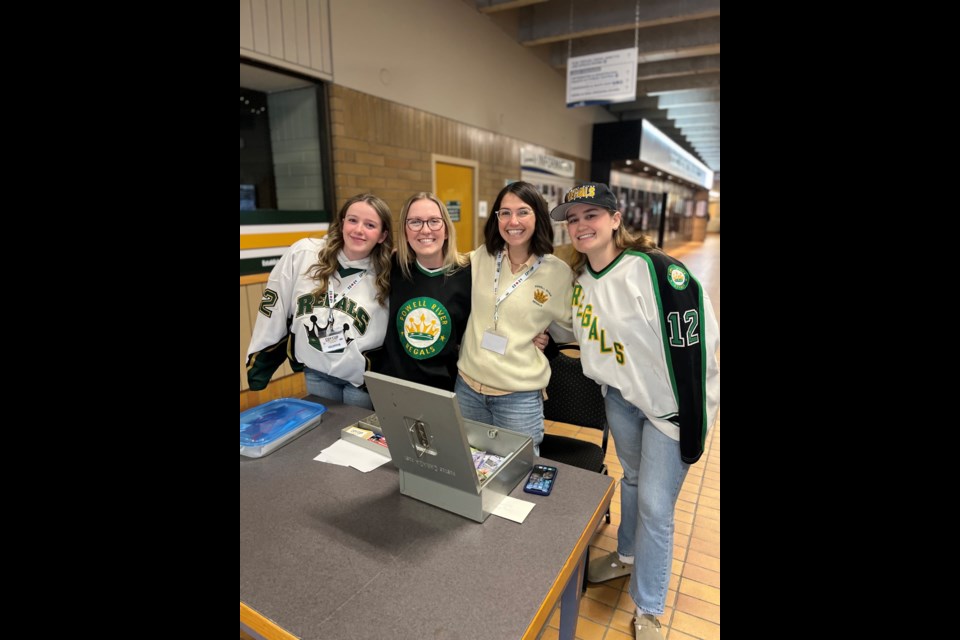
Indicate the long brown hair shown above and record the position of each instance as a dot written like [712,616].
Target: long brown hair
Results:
[452,260]
[327,264]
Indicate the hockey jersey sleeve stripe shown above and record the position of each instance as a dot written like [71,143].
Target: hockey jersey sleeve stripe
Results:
[681,313]
[262,364]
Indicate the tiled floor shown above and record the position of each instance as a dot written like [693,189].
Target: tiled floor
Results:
[693,602]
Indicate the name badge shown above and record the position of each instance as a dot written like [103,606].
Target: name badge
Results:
[334,342]
[493,341]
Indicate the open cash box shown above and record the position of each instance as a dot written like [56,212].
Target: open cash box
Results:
[430,443]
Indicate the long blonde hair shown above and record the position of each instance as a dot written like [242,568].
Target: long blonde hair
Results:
[452,259]
[327,264]
[622,239]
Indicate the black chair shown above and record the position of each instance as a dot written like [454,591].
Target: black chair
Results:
[575,399]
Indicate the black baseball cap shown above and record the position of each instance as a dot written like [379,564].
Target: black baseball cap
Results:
[588,193]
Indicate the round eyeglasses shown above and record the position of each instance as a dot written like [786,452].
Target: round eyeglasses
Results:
[435,224]
[505,214]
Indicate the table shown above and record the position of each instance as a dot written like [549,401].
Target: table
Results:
[330,552]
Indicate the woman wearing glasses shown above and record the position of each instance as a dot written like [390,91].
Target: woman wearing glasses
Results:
[519,289]
[429,298]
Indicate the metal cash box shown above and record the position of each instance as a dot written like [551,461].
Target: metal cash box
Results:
[429,442]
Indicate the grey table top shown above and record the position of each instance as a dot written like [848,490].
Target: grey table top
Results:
[330,552]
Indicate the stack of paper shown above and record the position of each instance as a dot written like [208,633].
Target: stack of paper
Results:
[347,454]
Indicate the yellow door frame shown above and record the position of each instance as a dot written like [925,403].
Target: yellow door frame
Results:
[463,162]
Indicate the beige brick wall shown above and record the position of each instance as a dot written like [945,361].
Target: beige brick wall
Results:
[385,147]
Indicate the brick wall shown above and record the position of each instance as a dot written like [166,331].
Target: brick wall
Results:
[386,148]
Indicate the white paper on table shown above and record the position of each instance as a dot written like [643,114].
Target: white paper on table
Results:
[346,454]
[513,509]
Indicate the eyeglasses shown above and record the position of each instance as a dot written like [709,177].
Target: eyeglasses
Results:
[435,224]
[505,214]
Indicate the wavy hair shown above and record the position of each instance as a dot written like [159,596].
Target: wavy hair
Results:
[326,265]
[542,241]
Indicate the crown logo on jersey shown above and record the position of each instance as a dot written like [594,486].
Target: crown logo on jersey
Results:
[316,332]
[541,296]
[422,330]
[424,326]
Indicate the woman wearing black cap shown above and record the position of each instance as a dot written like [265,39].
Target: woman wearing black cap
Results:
[649,336]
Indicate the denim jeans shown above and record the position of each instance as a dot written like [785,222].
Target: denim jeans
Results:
[320,384]
[521,411]
[652,476]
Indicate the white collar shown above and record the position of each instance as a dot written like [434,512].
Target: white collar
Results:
[347,263]
[428,269]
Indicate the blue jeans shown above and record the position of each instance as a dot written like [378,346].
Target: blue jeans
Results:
[652,476]
[320,384]
[521,411]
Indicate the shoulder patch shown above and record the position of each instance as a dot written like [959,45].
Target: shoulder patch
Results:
[678,277]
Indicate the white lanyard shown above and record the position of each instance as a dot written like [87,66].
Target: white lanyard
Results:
[512,287]
[332,297]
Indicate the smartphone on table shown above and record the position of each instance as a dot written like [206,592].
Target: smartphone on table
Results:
[541,480]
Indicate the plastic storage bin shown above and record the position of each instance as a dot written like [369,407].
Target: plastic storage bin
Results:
[273,424]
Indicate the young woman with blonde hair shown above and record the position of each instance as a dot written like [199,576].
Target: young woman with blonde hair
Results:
[429,298]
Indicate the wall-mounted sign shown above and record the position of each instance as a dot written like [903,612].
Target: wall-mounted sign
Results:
[602,78]
[535,161]
[265,235]
[663,153]
[453,208]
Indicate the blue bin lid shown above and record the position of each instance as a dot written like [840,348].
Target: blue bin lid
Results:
[271,420]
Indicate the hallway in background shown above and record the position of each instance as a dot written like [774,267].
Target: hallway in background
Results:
[693,601]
